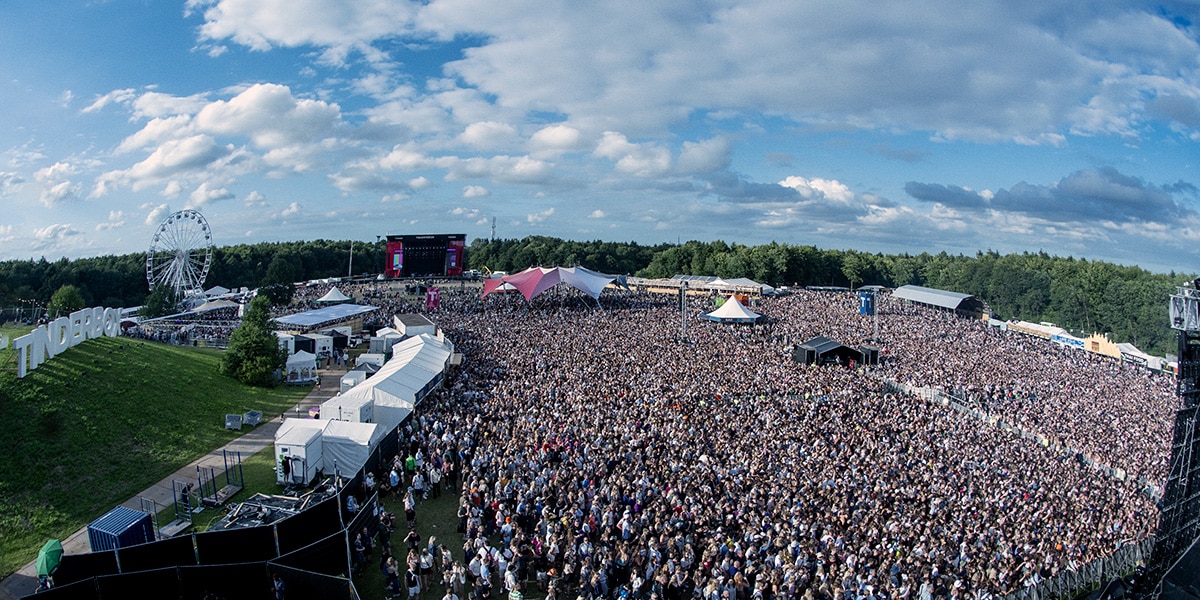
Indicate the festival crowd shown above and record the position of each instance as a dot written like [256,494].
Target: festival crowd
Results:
[601,457]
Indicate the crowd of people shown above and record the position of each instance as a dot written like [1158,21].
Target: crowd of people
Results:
[601,457]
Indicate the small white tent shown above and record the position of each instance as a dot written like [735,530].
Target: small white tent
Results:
[333,296]
[301,367]
[733,312]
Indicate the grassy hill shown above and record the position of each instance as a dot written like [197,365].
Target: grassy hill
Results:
[102,422]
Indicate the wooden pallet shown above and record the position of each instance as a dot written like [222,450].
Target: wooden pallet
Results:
[223,495]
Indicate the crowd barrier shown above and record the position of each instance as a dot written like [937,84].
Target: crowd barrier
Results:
[1072,582]
[309,551]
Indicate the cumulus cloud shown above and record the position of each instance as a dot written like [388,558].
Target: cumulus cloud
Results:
[597,214]
[156,214]
[554,140]
[475,191]
[270,116]
[10,183]
[1090,195]
[56,183]
[540,216]
[255,199]
[52,236]
[116,219]
[263,24]
[641,160]
[205,193]
[705,156]
[292,209]
[487,134]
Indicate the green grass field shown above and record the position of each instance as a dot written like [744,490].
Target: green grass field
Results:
[101,422]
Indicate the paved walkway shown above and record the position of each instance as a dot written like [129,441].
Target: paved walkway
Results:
[24,581]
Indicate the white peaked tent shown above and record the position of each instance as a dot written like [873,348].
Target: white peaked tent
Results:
[301,367]
[346,446]
[733,312]
[333,296]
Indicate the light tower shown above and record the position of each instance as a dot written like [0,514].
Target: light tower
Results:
[1179,521]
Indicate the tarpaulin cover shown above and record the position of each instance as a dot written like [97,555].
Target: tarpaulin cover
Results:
[236,545]
[249,581]
[314,523]
[162,583]
[305,585]
[78,590]
[170,552]
[77,567]
[312,318]
[533,281]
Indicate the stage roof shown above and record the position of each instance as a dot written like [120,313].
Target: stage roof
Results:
[321,316]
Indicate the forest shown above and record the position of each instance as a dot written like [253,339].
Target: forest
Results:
[1085,296]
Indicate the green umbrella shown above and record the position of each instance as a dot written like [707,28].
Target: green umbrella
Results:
[49,557]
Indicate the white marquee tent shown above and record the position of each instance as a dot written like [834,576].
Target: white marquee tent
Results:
[733,311]
[301,367]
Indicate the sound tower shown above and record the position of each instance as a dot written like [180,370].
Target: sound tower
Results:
[1179,521]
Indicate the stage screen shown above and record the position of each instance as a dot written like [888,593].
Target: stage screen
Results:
[426,255]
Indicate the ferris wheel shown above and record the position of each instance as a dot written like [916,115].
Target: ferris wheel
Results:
[180,253]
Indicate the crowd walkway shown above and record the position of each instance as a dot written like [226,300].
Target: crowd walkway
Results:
[24,581]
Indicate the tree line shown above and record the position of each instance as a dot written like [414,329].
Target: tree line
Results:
[1082,295]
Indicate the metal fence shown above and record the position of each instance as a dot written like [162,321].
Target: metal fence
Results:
[1072,582]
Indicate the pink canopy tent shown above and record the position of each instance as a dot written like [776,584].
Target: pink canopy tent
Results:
[535,280]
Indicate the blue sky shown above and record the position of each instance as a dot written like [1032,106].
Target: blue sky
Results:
[919,126]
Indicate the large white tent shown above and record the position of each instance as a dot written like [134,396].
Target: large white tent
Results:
[346,446]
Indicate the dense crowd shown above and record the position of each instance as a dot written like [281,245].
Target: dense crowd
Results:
[603,458]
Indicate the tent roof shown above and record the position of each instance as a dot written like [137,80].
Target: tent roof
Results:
[733,312]
[334,295]
[216,290]
[533,281]
[934,297]
[821,344]
[313,318]
[214,305]
[301,357]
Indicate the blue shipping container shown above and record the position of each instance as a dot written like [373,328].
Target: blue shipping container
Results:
[120,528]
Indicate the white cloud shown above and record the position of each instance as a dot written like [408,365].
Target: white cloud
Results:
[52,235]
[540,216]
[10,183]
[157,213]
[115,96]
[475,191]
[270,116]
[553,140]
[705,156]
[487,134]
[597,214]
[255,199]
[292,209]
[641,160]
[57,186]
[204,194]
[262,24]
[419,183]
[116,220]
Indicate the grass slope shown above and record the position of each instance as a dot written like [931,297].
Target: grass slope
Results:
[102,422]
